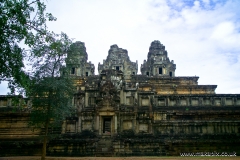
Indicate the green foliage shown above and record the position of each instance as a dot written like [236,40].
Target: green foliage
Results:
[21,22]
[51,94]
[51,100]
[24,22]
[18,103]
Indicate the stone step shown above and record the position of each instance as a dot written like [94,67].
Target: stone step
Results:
[105,143]
[104,147]
[104,154]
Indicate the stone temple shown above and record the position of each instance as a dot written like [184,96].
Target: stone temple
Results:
[122,113]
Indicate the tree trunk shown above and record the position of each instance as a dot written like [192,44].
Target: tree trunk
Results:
[44,147]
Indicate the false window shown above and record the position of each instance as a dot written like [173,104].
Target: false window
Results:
[145,102]
[73,71]
[127,124]
[160,70]
[129,100]
[92,101]
[4,102]
[161,102]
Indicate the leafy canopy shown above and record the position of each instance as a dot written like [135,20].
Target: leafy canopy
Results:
[21,22]
[51,93]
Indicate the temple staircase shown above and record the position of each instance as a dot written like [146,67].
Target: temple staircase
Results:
[104,147]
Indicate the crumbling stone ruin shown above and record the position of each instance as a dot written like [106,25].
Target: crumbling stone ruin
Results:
[122,113]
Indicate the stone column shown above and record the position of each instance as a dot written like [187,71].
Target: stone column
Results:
[234,101]
[133,124]
[150,127]
[115,124]
[167,101]
[73,102]
[223,102]
[86,100]
[121,97]
[121,125]
[100,125]
[64,127]
[79,129]
[75,127]
[97,123]
[137,127]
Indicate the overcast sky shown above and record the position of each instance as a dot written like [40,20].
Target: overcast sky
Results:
[201,36]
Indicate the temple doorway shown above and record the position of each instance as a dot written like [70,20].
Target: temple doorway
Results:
[107,125]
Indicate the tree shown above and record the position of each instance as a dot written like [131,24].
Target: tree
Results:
[21,22]
[51,94]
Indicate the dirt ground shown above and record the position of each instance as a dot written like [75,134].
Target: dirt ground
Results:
[118,158]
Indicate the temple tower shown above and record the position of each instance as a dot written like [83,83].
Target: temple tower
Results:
[158,63]
[118,59]
[76,60]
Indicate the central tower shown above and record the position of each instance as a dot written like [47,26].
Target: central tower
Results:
[158,63]
[118,59]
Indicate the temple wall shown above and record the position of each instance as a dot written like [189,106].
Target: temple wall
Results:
[157,128]
[16,138]
[121,113]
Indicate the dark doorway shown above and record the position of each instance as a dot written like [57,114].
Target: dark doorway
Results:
[107,125]
[73,71]
[160,71]
[117,68]
[170,74]
[86,74]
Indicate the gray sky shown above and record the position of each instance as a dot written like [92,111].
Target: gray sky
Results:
[201,36]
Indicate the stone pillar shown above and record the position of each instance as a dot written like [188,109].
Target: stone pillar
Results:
[137,127]
[121,97]
[115,124]
[73,102]
[78,72]
[121,125]
[100,125]
[234,101]
[86,100]
[223,101]
[167,101]
[133,124]
[97,123]
[150,127]
[64,127]
[79,129]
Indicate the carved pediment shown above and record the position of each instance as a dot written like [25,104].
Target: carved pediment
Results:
[108,98]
